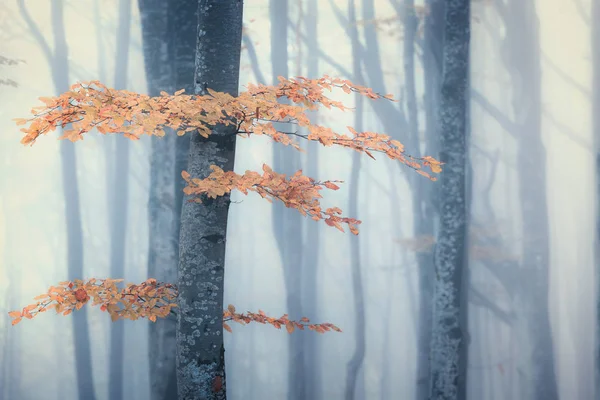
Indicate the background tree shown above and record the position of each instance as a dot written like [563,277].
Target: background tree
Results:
[57,57]
[449,341]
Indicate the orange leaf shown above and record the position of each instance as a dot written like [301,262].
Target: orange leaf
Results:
[227,327]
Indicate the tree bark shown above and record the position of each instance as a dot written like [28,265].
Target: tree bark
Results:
[200,350]
[449,337]
[118,165]
[169,32]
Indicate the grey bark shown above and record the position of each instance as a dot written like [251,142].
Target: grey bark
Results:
[449,337]
[169,38]
[520,53]
[59,64]
[200,350]
[353,385]
[163,248]
[288,226]
[119,166]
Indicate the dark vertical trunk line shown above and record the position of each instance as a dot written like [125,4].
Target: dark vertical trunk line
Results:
[353,385]
[521,55]
[119,203]
[60,73]
[201,271]
[288,227]
[449,335]
[312,364]
[163,237]
[169,31]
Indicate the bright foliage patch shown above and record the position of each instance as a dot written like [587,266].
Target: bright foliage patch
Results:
[150,299]
[90,105]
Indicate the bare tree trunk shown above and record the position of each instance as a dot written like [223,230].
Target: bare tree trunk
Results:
[200,350]
[356,361]
[119,166]
[310,298]
[521,55]
[169,32]
[288,226]
[58,59]
[449,337]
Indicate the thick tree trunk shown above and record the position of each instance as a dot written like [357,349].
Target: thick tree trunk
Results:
[287,226]
[425,209]
[449,337]
[521,55]
[163,243]
[119,166]
[169,32]
[200,350]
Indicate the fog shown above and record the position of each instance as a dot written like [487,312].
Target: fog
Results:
[532,309]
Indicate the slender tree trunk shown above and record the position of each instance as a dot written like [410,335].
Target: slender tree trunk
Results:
[59,63]
[521,55]
[119,203]
[288,227]
[449,337]
[312,364]
[356,361]
[200,350]
[424,193]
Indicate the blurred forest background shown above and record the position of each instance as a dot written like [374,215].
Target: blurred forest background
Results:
[532,298]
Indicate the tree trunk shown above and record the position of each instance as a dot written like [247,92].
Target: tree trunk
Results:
[311,251]
[287,226]
[449,337]
[119,166]
[200,350]
[425,209]
[521,55]
[169,32]
[354,386]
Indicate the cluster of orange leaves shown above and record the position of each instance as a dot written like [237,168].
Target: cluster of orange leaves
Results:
[297,191]
[92,105]
[150,299]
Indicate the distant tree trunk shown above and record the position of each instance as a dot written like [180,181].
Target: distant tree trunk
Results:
[119,166]
[356,361]
[169,32]
[521,55]
[58,59]
[312,364]
[449,337]
[200,350]
[425,209]
[288,227]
